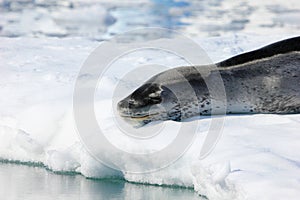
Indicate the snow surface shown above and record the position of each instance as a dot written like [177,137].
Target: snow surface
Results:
[257,156]
[99,19]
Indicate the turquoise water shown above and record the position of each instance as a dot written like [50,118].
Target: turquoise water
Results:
[19,182]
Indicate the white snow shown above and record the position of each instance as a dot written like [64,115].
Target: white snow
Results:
[99,19]
[257,156]
[89,20]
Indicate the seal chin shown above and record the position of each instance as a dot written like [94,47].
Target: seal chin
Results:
[135,117]
[136,121]
[139,116]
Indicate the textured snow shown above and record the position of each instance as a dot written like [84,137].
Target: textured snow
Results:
[99,19]
[257,156]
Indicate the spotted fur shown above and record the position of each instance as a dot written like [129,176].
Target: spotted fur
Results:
[266,80]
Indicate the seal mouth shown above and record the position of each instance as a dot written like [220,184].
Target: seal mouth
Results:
[138,116]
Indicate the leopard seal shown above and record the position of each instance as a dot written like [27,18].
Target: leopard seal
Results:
[265,80]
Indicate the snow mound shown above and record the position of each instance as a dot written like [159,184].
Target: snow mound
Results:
[257,156]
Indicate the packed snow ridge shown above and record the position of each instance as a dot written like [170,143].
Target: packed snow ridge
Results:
[257,156]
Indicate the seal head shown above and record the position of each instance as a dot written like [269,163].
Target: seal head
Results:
[150,102]
[175,94]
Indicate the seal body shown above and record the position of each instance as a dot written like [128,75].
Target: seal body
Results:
[266,80]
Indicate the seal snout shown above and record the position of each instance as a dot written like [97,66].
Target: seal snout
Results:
[127,108]
[123,104]
[123,107]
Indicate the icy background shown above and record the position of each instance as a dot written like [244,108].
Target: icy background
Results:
[100,19]
[44,43]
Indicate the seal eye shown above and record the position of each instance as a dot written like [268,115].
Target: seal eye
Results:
[154,95]
[153,98]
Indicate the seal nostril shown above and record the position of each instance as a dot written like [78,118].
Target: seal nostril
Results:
[130,104]
[122,104]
